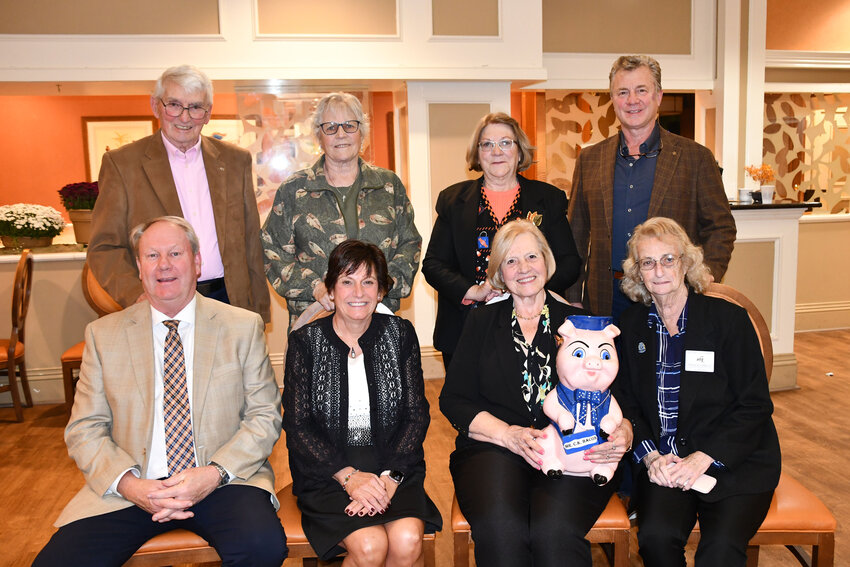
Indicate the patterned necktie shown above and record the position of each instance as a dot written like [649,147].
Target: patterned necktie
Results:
[179,445]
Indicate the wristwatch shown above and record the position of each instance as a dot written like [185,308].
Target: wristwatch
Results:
[395,476]
[222,472]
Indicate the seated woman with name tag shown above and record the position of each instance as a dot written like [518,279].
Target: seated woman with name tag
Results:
[692,382]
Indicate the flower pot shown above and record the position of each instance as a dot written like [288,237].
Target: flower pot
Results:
[81,219]
[26,241]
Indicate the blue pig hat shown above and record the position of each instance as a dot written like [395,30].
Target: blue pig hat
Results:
[589,322]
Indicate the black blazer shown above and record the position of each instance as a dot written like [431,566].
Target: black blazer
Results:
[725,413]
[449,264]
[486,372]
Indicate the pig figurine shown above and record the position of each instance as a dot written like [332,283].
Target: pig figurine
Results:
[582,411]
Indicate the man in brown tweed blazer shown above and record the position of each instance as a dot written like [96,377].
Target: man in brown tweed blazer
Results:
[644,171]
[176,171]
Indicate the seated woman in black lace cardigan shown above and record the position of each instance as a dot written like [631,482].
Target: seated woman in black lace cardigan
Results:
[355,417]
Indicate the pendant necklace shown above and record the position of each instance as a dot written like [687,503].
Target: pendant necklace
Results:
[352,354]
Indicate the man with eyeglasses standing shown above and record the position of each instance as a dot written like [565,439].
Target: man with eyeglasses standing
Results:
[176,171]
[643,172]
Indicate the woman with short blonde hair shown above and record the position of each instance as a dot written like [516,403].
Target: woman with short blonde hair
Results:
[502,370]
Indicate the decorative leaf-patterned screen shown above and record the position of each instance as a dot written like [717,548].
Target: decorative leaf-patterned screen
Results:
[806,140]
[574,120]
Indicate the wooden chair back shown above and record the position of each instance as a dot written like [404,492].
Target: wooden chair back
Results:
[97,297]
[732,295]
[20,300]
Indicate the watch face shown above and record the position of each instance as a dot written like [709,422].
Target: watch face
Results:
[397,476]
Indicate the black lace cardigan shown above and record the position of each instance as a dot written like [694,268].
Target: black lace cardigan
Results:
[315,398]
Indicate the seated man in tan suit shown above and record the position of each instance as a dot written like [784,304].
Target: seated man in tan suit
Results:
[176,413]
[176,171]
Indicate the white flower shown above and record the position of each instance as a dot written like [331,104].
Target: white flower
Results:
[22,219]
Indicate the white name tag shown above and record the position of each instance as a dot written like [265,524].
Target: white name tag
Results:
[580,441]
[699,361]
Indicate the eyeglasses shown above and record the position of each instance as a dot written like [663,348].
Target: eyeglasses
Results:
[489,145]
[175,109]
[349,127]
[666,261]
[650,154]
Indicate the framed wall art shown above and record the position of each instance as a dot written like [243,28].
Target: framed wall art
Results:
[104,133]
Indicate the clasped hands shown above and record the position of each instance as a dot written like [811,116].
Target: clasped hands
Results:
[672,471]
[370,494]
[170,498]
[523,442]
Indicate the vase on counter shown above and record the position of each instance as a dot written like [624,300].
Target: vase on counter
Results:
[767,193]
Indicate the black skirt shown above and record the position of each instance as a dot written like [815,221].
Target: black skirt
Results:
[326,524]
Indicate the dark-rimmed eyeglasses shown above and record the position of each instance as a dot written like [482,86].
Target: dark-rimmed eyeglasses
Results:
[175,109]
[624,151]
[666,261]
[349,127]
[505,145]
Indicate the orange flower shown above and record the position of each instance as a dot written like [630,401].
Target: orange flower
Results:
[761,175]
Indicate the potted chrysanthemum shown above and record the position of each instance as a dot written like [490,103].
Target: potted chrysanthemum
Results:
[23,225]
[78,199]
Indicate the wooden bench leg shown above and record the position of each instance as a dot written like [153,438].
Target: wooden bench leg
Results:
[429,549]
[68,383]
[823,554]
[752,556]
[621,549]
[461,549]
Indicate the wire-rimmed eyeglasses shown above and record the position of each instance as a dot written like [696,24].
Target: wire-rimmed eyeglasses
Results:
[505,144]
[666,261]
[349,127]
[624,151]
[175,109]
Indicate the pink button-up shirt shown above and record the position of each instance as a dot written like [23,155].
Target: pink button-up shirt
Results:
[193,190]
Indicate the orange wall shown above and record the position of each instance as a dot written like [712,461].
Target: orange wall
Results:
[42,149]
[382,109]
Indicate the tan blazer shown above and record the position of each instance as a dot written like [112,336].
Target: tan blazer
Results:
[136,185]
[235,402]
[687,188]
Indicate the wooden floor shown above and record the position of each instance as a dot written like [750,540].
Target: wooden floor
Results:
[37,478]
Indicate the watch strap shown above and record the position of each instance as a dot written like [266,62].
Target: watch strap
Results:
[222,473]
[395,476]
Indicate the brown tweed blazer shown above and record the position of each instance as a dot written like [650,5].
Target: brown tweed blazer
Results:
[687,188]
[136,185]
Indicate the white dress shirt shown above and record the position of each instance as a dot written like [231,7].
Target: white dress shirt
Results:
[157,458]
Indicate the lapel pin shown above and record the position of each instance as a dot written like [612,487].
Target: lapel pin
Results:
[641,347]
